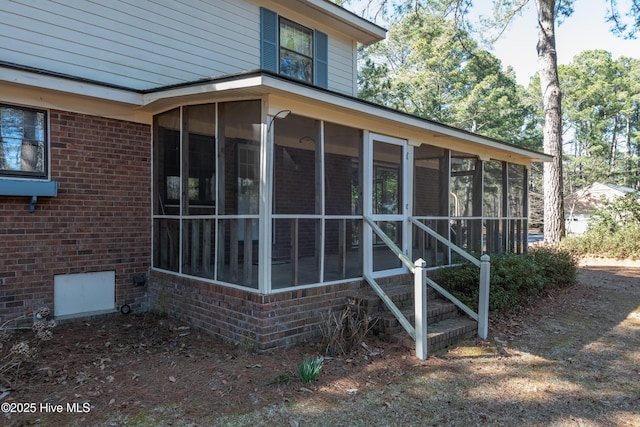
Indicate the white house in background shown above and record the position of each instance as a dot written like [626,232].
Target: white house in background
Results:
[580,204]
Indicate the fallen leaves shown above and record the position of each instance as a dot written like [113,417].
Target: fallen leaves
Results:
[151,363]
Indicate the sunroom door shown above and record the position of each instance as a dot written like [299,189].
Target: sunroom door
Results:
[387,202]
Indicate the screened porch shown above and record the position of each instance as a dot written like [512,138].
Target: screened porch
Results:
[274,202]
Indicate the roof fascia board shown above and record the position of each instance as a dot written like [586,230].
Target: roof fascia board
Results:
[272,83]
[208,87]
[76,87]
[396,116]
[364,31]
[140,100]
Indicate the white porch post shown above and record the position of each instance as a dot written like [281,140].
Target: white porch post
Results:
[266,192]
[483,303]
[420,286]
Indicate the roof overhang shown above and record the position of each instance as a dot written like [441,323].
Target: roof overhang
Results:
[257,84]
[261,84]
[50,81]
[48,90]
[342,20]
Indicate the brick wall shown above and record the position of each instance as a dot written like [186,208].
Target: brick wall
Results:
[262,321]
[99,221]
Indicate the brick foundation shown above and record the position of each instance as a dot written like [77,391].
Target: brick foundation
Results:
[235,315]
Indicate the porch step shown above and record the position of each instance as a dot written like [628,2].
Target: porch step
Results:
[437,311]
[400,293]
[446,324]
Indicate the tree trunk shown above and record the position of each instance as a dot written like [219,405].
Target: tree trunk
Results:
[614,146]
[551,101]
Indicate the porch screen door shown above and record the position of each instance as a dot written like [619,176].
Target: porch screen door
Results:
[388,205]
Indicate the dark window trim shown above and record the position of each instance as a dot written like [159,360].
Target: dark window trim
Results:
[282,20]
[39,175]
[270,49]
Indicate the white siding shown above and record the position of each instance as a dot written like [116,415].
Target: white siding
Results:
[144,44]
[342,72]
[132,43]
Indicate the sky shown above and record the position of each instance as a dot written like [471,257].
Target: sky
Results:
[586,29]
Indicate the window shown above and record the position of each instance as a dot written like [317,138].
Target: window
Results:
[23,146]
[296,51]
[293,50]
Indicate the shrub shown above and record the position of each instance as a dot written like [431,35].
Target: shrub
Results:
[622,242]
[341,333]
[461,281]
[15,349]
[618,213]
[516,280]
[558,266]
[614,230]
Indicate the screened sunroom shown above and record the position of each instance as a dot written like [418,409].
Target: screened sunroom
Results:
[276,200]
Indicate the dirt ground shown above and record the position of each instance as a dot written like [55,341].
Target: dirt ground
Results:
[572,359]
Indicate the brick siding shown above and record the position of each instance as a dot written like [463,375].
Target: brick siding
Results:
[261,321]
[100,220]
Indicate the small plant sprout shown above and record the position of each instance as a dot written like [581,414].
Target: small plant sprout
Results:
[309,369]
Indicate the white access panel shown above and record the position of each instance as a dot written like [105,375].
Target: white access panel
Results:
[84,293]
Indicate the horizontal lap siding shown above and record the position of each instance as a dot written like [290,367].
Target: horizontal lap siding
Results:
[143,44]
[342,71]
[139,44]
[99,221]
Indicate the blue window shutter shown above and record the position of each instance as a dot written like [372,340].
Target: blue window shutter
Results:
[268,40]
[321,59]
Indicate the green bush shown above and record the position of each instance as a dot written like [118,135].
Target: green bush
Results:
[461,281]
[516,280]
[559,267]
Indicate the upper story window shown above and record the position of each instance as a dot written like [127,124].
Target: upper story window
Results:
[23,142]
[293,50]
[296,51]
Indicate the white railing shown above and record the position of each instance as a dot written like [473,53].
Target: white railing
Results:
[378,290]
[419,332]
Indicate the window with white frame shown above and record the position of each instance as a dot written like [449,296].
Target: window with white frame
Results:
[23,142]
